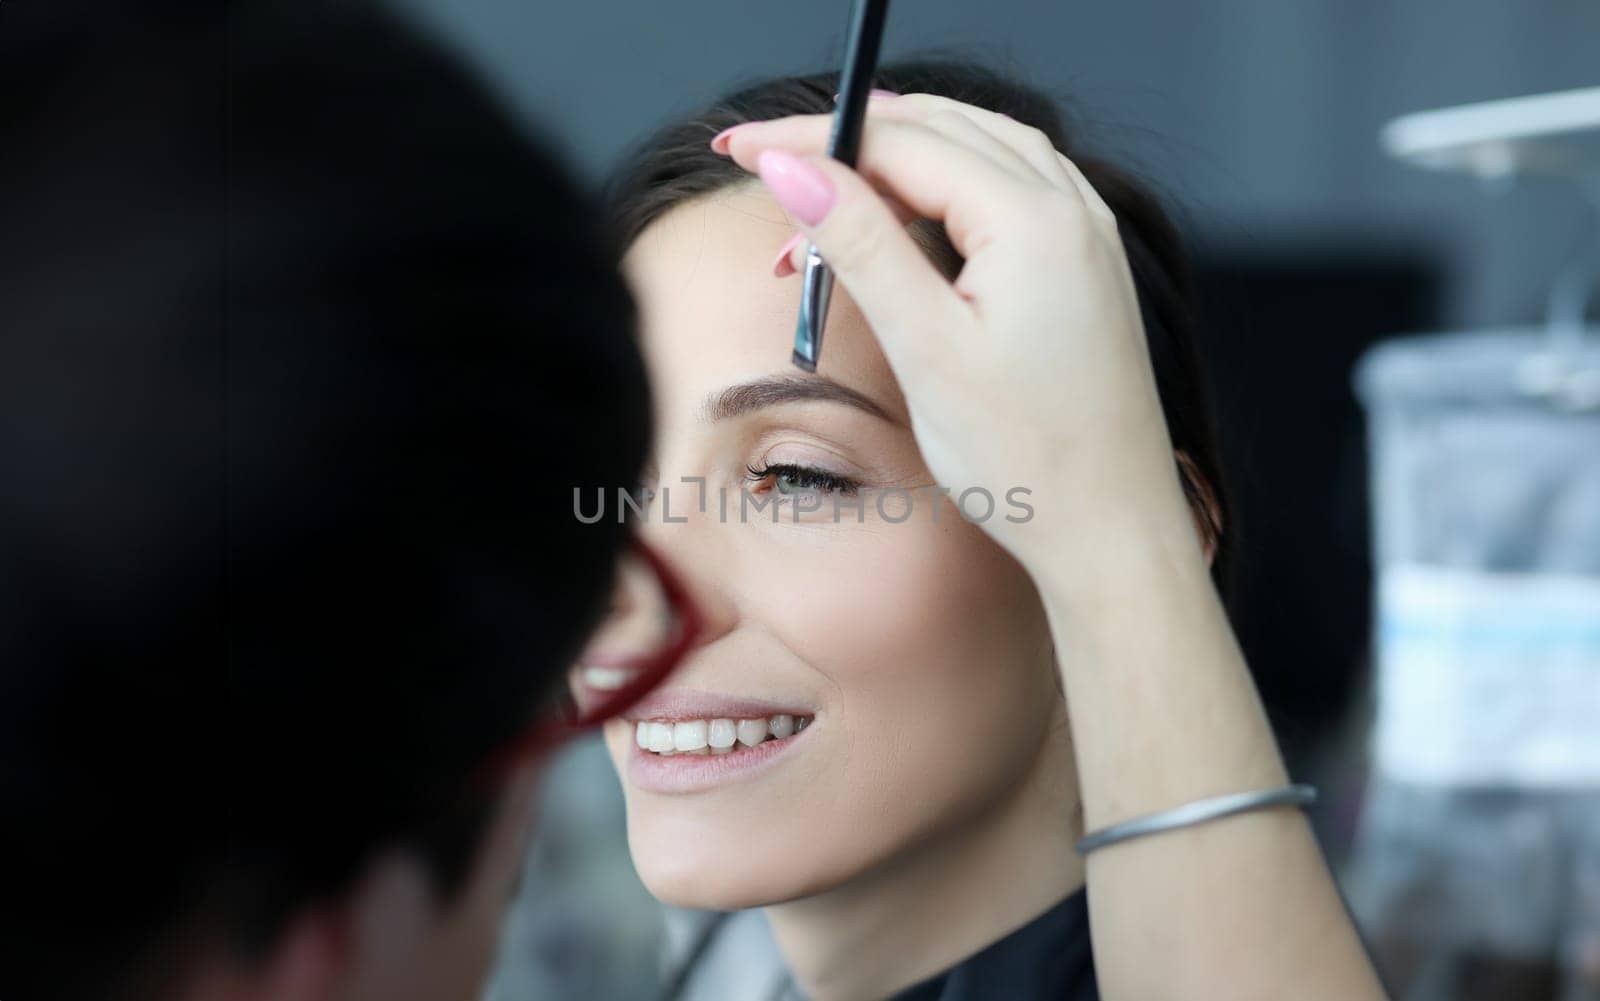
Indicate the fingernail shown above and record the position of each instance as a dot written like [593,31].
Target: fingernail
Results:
[719,142]
[874,92]
[782,267]
[803,190]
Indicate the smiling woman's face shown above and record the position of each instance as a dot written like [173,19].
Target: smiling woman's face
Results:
[913,653]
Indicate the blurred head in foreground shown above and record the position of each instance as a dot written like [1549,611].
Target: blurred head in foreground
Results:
[304,352]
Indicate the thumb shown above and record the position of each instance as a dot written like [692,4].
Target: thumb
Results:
[910,306]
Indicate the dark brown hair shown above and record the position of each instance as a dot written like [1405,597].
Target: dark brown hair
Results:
[675,164]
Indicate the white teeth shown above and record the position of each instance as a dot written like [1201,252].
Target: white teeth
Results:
[714,736]
[722,734]
[606,679]
[752,731]
[660,737]
[689,736]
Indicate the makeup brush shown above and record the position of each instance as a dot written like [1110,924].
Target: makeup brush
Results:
[844,141]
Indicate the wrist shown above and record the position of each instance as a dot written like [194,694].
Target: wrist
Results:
[1139,546]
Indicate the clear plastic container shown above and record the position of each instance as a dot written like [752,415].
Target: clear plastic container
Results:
[1476,867]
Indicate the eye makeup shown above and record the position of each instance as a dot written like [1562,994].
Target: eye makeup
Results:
[788,478]
[833,453]
[798,447]
[826,482]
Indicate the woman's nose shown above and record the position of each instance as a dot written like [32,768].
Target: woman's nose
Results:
[687,539]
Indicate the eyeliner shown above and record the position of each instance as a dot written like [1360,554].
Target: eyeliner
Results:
[844,142]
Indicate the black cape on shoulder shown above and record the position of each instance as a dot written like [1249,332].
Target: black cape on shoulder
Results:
[1047,958]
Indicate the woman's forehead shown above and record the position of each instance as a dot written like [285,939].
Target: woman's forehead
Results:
[712,313]
[711,252]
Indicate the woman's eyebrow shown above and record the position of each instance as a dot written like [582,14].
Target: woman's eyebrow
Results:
[769,391]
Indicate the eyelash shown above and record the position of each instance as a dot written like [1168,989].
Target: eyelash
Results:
[807,477]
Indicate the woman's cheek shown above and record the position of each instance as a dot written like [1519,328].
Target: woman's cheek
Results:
[922,642]
[931,639]
[899,605]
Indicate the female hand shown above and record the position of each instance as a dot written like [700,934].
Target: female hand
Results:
[1031,369]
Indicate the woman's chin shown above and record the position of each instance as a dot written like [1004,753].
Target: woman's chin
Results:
[715,877]
[683,882]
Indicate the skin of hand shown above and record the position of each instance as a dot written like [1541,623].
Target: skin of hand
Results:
[1031,369]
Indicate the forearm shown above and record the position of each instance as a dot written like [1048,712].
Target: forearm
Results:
[1164,712]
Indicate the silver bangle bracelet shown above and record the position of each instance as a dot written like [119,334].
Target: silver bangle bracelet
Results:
[1197,812]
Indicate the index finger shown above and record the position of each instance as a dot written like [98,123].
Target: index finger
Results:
[935,175]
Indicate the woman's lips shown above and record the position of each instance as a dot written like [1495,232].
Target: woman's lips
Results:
[685,740]
[672,705]
[687,772]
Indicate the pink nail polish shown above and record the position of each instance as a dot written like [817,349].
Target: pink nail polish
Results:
[719,142]
[803,190]
[874,92]
[782,267]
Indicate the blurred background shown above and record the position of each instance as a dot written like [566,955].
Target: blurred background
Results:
[1420,526]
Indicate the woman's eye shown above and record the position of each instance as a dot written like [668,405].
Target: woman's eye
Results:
[791,479]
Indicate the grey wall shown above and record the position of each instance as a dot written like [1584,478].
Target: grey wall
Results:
[1260,116]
